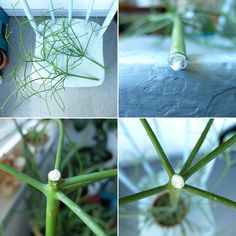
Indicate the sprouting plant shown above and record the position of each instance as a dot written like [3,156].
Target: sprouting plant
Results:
[58,54]
[177,184]
[57,189]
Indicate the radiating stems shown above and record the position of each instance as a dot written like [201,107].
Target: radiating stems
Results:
[211,196]
[144,194]
[209,157]
[81,214]
[165,162]
[197,147]
[52,209]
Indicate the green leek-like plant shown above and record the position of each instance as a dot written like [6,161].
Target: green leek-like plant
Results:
[177,181]
[57,189]
[61,45]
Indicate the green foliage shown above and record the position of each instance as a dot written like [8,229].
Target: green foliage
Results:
[61,51]
[54,193]
[186,172]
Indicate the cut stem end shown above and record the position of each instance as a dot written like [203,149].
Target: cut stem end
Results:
[54,175]
[177,61]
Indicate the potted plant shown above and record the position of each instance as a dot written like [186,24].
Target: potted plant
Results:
[60,190]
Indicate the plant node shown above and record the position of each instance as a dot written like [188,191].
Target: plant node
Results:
[177,181]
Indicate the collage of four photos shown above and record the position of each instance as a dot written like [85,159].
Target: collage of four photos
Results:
[117,117]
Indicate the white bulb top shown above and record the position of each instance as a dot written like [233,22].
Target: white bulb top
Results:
[177,181]
[54,175]
[178,62]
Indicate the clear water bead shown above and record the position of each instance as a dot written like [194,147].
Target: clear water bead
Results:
[178,61]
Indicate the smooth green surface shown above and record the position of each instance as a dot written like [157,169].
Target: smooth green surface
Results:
[211,196]
[178,44]
[209,157]
[25,178]
[60,145]
[197,147]
[81,214]
[52,209]
[165,162]
[93,177]
[144,194]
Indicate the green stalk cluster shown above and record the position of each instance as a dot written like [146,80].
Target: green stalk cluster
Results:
[57,188]
[62,45]
[186,172]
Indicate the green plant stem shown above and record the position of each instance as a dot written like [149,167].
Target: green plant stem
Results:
[60,145]
[205,160]
[52,209]
[81,214]
[209,195]
[93,177]
[73,187]
[25,178]
[178,44]
[28,155]
[174,196]
[165,162]
[143,194]
[1,229]
[197,146]
[70,154]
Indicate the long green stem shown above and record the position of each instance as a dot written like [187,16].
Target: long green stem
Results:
[177,57]
[93,177]
[165,162]
[178,44]
[74,187]
[174,196]
[143,194]
[197,146]
[205,160]
[60,145]
[81,214]
[52,209]
[25,178]
[211,196]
